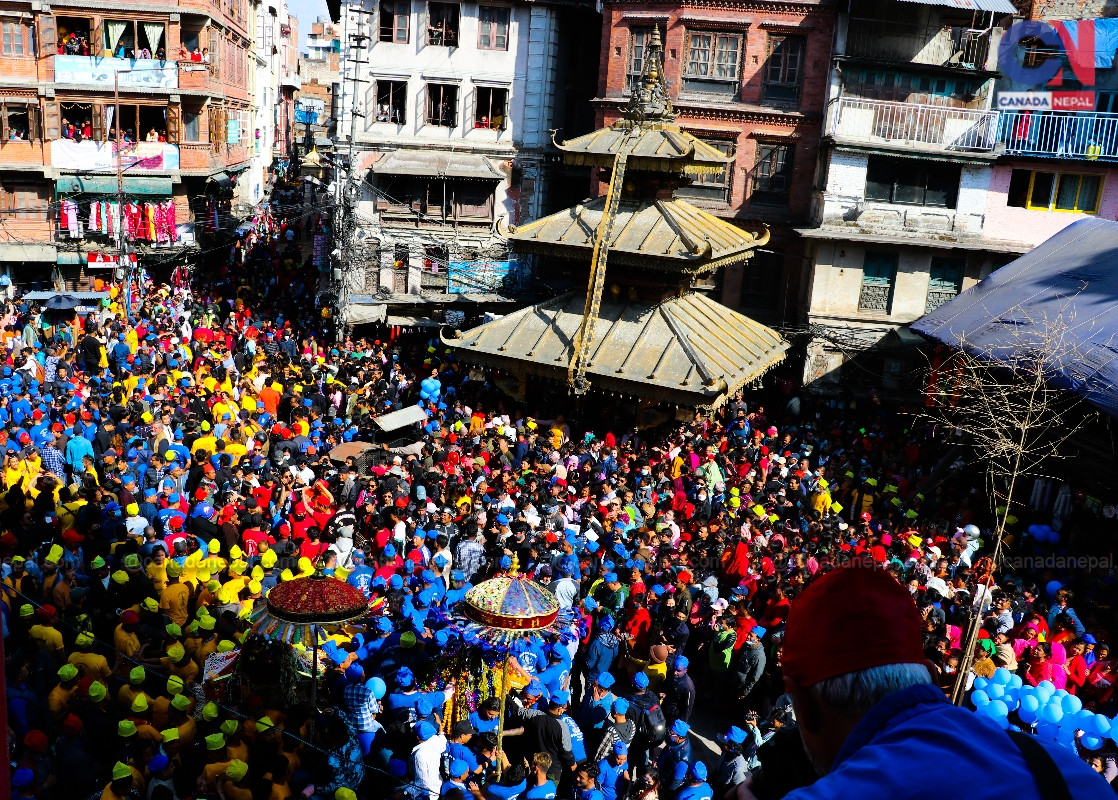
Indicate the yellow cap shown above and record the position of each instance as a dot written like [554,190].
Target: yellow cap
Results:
[207,623]
[173,569]
[345,793]
[133,509]
[236,770]
[120,576]
[209,711]
[305,566]
[84,639]
[180,702]
[176,652]
[126,728]
[55,554]
[146,416]
[215,546]
[140,704]
[97,691]
[67,672]
[137,675]
[170,735]
[175,685]
[235,551]
[150,604]
[121,771]
[254,587]
[287,575]
[265,724]
[26,610]
[257,573]
[215,741]
[225,646]
[268,559]
[229,727]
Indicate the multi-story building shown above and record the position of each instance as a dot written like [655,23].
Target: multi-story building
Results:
[455,104]
[320,70]
[748,78]
[276,80]
[154,93]
[925,185]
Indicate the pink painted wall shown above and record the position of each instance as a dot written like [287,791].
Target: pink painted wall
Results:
[1034,227]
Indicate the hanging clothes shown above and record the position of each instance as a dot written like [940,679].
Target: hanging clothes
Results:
[70,218]
[149,222]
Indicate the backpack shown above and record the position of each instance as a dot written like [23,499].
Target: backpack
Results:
[653,725]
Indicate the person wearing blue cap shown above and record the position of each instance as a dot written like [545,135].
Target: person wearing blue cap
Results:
[603,649]
[652,726]
[678,749]
[732,768]
[457,772]
[361,707]
[613,773]
[403,704]
[748,666]
[695,784]
[679,691]
[619,729]
[545,733]
[597,704]
[573,729]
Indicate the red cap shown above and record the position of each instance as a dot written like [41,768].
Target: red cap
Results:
[851,619]
[71,536]
[36,741]
[46,611]
[71,725]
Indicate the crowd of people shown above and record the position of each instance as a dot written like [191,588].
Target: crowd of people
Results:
[165,470]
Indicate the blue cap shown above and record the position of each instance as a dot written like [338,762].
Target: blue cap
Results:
[502,519]
[384,624]
[428,576]
[680,728]
[439,561]
[620,748]
[424,730]
[605,680]
[758,631]
[609,577]
[396,582]
[735,735]
[561,698]
[506,562]
[607,624]
[424,708]
[425,597]
[158,763]
[640,680]
[681,663]
[457,575]
[404,677]
[534,689]
[620,706]
[591,547]
[590,603]
[355,673]
[459,768]
[389,550]
[698,770]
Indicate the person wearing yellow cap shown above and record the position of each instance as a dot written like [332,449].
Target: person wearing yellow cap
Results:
[217,761]
[62,695]
[345,793]
[174,600]
[180,718]
[161,706]
[98,691]
[235,744]
[90,664]
[178,663]
[122,784]
[128,693]
[233,783]
[208,645]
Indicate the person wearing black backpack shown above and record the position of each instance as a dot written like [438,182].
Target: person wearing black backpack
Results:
[652,726]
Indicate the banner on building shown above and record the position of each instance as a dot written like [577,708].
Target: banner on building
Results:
[147,73]
[88,155]
[107,260]
[467,277]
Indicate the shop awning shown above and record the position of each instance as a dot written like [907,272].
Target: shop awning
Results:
[998,6]
[401,418]
[220,185]
[437,164]
[106,184]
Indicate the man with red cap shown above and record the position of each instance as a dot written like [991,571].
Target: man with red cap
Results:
[873,723]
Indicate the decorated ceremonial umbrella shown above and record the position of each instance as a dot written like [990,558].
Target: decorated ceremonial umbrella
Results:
[506,608]
[296,610]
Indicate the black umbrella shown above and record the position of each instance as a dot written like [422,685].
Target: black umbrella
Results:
[62,302]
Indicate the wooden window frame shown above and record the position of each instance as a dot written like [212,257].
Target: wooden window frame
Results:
[489,30]
[503,116]
[447,37]
[8,31]
[712,49]
[400,11]
[442,89]
[768,84]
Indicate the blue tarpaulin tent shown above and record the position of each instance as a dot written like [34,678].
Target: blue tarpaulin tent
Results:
[1073,276]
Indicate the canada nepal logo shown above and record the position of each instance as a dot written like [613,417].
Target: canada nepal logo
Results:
[1075,39]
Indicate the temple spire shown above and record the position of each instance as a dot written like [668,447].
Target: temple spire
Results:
[650,103]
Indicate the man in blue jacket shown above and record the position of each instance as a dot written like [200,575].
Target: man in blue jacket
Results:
[873,723]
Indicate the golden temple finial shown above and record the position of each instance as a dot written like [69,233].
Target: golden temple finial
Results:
[650,102]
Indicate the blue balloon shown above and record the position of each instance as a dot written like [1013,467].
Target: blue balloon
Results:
[1053,587]
[1103,726]
[1032,530]
[996,691]
[1002,676]
[1030,703]
[377,685]
[1046,730]
[1066,737]
[997,708]
[1052,713]
[1047,687]
[1016,682]
[1085,721]
[1071,704]
[1090,741]
[1041,536]
[979,698]
[980,683]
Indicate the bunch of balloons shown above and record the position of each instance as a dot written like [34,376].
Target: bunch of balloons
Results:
[1052,713]
[430,389]
[1043,533]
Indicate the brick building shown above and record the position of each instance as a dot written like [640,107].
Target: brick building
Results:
[177,129]
[749,78]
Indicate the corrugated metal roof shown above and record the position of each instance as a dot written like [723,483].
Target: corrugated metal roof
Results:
[660,146]
[437,163]
[398,419]
[998,6]
[689,350]
[668,233]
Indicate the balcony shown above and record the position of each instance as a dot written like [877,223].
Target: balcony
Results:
[898,42]
[912,126]
[131,73]
[198,77]
[1090,136]
[291,80]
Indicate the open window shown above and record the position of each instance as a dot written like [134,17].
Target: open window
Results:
[129,39]
[491,108]
[442,105]
[493,27]
[394,18]
[192,123]
[392,98]
[19,122]
[80,121]
[442,24]
[75,37]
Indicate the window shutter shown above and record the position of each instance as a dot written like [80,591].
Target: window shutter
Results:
[173,116]
[97,123]
[422,21]
[34,122]
[48,35]
[52,127]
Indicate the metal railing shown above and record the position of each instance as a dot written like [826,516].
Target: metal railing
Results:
[966,48]
[923,127]
[1090,135]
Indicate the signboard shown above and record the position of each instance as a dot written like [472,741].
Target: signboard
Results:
[1085,44]
[1046,101]
[107,260]
[233,131]
[145,73]
[466,277]
[89,155]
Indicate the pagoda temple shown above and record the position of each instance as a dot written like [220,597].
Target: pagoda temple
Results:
[640,329]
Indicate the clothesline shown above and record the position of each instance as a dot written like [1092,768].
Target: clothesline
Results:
[144,222]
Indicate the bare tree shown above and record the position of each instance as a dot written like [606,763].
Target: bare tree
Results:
[1011,404]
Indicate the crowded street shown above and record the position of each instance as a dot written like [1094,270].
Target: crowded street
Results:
[183,451]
